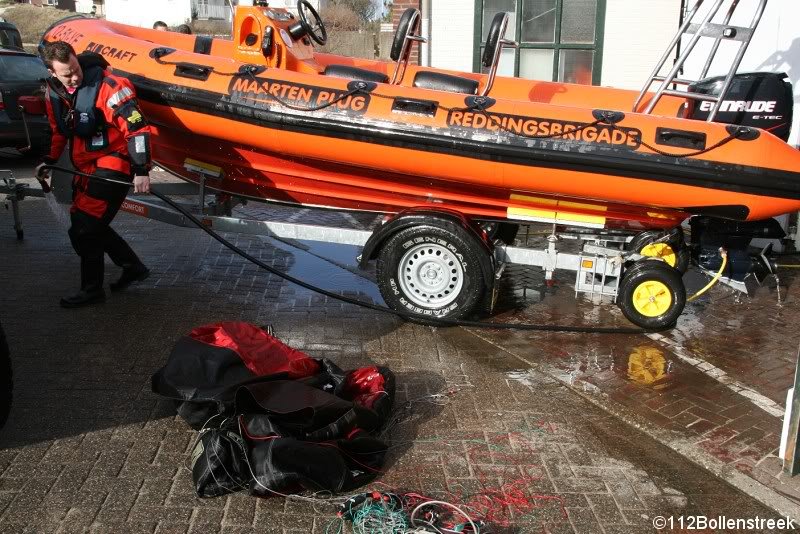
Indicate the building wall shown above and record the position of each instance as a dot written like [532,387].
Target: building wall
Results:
[145,12]
[212,9]
[635,36]
[68,5]
[85,6]
[452,34]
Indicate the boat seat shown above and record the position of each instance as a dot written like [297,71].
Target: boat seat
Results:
[354,73]
[445,82]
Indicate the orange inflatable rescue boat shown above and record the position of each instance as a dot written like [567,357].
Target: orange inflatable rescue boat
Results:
[265,116]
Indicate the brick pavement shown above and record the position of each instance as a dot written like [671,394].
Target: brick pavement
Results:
[689,386]
[89,448]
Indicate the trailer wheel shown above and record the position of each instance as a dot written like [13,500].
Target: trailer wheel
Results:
[652,294]
[431,270]
[672,250]
[6,381]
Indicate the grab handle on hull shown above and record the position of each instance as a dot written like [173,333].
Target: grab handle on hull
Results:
[681,138]
[192,71]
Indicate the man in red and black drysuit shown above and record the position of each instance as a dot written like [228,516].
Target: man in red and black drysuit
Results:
[96,113]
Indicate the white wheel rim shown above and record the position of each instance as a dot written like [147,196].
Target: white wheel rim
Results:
[430,276]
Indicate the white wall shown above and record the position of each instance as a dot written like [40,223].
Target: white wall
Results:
[636,34]
[775,48]
[145,12]
[84,6]
[453,34]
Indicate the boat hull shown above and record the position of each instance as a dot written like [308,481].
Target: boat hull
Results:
[240,170]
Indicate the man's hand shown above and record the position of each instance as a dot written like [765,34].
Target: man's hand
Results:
[141,184]
[43,175]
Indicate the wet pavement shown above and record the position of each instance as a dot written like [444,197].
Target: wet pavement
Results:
[714,386]
[538,431]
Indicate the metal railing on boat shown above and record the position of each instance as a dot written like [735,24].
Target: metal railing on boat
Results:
[706,27]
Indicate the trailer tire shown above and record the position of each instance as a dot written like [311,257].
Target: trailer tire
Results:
[6,380]
[672,250]
[441,271]
[652,294]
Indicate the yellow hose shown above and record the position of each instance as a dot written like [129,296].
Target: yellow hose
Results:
[724,254]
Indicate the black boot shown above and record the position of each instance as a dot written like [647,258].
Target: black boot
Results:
[137,273]
[91,283]
[84,297]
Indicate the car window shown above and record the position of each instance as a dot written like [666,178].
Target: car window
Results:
[10,38]
[21,68]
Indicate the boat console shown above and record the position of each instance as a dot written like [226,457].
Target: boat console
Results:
[275,38]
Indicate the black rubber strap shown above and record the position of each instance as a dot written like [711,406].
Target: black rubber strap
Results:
[202,44]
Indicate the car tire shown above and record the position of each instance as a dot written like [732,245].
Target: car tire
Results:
[431,271]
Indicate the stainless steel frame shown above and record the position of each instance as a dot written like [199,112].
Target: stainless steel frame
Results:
[706,28]
[503,43]
[16,192]
[411,36]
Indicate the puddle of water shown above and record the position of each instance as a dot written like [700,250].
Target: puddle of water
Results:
[644,365]
[329,266]
[647,366]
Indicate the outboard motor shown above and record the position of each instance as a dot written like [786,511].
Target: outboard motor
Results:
[759,99]
[709,234]
[762,100]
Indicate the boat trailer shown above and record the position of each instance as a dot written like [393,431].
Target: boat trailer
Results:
[602,265]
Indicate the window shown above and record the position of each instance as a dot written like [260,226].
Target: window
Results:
[558,39]
[20,68]
[10,37]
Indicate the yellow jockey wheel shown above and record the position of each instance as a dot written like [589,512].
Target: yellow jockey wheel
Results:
[651,294]
[667,245]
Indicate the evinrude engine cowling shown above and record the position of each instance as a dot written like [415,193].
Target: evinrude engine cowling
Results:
[760,99]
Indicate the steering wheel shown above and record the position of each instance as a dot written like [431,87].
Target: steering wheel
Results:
[496,31]
[317,30]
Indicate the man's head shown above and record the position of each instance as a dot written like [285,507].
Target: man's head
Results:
[61,61]
[183,28]
[161,26]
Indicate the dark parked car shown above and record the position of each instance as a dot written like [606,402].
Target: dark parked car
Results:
[9,36]
[21,75]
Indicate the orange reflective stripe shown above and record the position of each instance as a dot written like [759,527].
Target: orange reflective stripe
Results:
[95,207]
[114,163]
